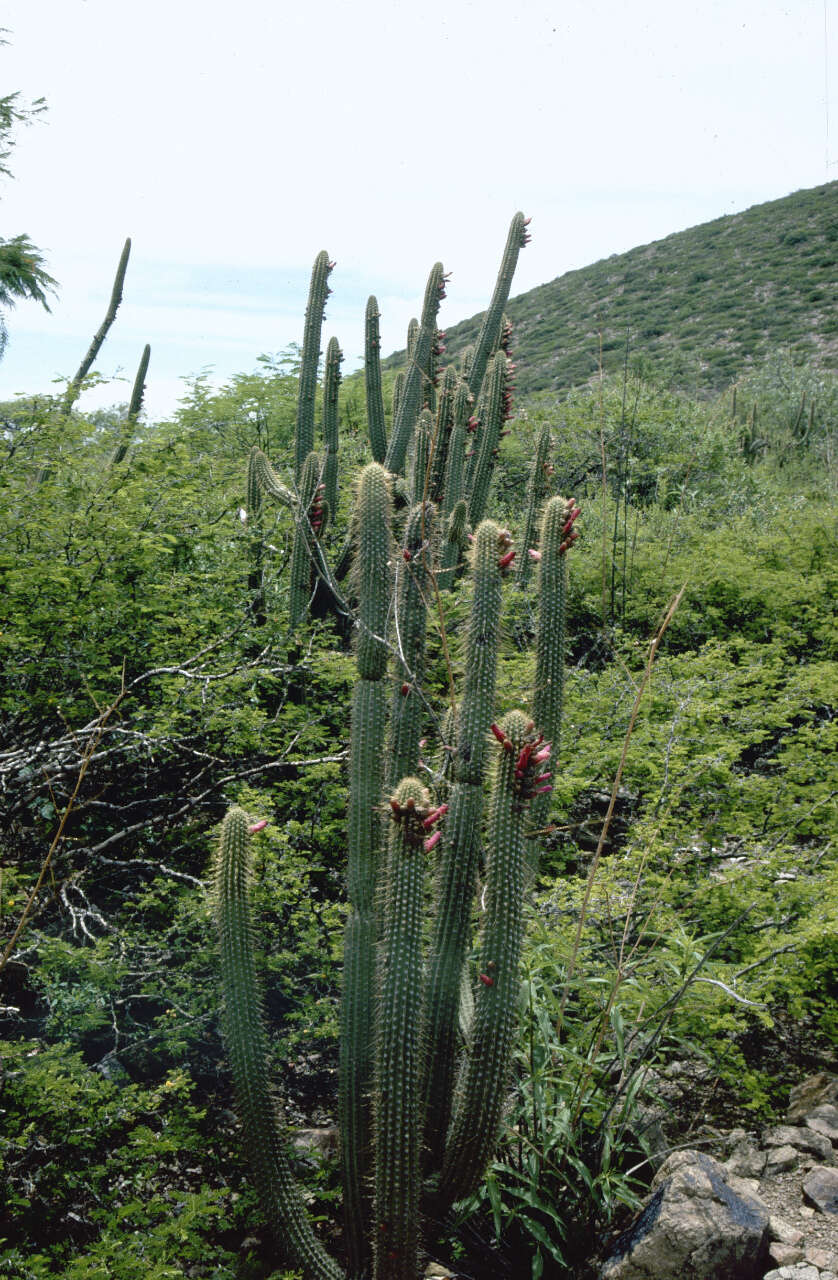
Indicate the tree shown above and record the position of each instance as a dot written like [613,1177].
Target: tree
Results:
[22,271]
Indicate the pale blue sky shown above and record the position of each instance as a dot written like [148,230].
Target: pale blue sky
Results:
[232,142]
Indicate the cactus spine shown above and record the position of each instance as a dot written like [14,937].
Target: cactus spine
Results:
[318,292]
[372,379]
[244,1036]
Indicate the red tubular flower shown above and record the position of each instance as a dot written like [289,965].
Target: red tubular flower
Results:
[258,826]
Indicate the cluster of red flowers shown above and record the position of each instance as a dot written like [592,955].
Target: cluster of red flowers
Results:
[532,777]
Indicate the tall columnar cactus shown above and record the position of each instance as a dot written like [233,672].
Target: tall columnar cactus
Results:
[490,331]
[366,768]
[494,410]
[521,769]
[461,844]
[310,516]
[331,386]
[417,372]
[558,533]
[398,1129]
[244,1035]
[372,379]
[414,575]
[310,357]
[541,473]
[416,1104]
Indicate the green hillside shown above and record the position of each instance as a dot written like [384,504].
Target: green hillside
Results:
[700,306]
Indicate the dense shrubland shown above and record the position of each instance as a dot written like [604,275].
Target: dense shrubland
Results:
[141,694]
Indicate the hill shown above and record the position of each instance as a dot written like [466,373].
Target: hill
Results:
[702,305]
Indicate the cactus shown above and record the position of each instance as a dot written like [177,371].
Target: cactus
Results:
[413,586]
[539,486]
[331,384]
[558,533]
[419,356]
[318,292]
[310,517]
[244,1035]
[481,1090]
[366,767]
[419,1111]
[460,847]
[490,331]
[74,386]
[398,1131]
[372,379]
[135,405]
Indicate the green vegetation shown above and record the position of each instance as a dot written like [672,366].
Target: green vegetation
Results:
[701,307]
[684,911]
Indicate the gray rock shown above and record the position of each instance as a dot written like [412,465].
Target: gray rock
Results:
[781,1159]
[783,1232]
[695,1226]
[784,1255]
[800,1272]
[322,1143]
[745,1161]
[802,1139]
[824,1119]
[820,1187]
[811,1093]
[823,1259]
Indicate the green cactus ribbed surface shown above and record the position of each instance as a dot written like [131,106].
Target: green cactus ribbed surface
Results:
[245,1039]
[331,387]
[481,1089]
[548,691]
[355,1075]
[457,865]
[442,432]
[262,474]
[398,392]
[373,569]
[302,554]
[309,360]
[372,381]
[490,330]
[398,1130]
[417,371]
[366,781]
[537,489]
[491,415]
[419,455]
[453,544]
[414,567]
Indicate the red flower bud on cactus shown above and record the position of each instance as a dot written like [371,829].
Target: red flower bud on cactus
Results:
[408,555]
[506,560]
[405,689]
[534,555]
[258,826]
[499,734]
[434,816]
[432,841]
[542,791]
[486,980]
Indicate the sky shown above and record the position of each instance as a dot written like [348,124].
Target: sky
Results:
[232,142]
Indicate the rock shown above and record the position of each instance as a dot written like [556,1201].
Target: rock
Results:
[695,1226]
[820,1188]
[824,1119]
[811,1093]
[800,1272]
[780,1159]
[802,1139]
[783,1232]
[823,1259]
[436,1270]
[745,1160]
[784,1255]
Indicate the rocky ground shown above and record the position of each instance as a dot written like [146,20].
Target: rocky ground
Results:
[765,1208]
